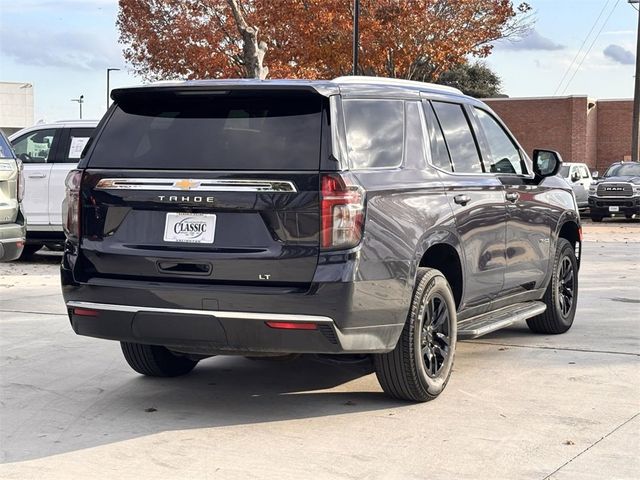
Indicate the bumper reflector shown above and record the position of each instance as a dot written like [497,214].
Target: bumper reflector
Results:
[292,325]
[85,312]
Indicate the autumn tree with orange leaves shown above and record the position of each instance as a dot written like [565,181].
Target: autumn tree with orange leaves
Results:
[414,39]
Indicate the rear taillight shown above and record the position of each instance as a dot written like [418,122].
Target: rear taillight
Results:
[20,182]
[342,211]
[71,208]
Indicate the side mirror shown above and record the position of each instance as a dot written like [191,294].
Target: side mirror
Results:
[595,175]
[575,177]
[546,163]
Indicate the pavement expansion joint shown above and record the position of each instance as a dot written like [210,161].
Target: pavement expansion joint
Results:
[591,446]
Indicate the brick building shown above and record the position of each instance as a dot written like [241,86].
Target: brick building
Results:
[595,132]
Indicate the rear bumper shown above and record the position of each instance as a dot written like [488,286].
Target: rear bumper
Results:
[626,205]
[223,319]
[12,238]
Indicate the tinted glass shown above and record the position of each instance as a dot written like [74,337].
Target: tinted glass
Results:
[439,153]
[374,132]
[564,171]
[204,132]
[504,156]
[5,149]
[457,133]
[34,147]
[414,140]
[74,145]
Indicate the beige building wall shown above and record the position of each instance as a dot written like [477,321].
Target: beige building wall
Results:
[16,106]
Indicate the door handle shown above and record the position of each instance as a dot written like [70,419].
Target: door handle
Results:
[462,199]
[37,175]
[512,196]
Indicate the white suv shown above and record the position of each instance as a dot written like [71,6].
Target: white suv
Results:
[579,177]
[48,152]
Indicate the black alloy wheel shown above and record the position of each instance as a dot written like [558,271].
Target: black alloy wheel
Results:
[566,286]
[435,340]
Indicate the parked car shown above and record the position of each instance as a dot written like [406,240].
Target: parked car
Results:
[49,152]
[579,177]
[12,223]
[353,216]
[617,192]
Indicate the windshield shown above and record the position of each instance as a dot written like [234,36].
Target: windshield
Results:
[5,149]
[200,132]
[564,171]
[624,170]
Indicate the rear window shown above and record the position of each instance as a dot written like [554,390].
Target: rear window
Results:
[212,132]
[5,149]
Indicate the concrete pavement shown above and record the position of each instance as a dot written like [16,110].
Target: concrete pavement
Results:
[518,405]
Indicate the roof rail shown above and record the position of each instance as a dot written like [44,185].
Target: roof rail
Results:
[84,120]
[396,81]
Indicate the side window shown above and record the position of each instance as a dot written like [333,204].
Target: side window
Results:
[414,139]
[584,171]
[505,156]
[374,132]
[35,147]
[74,144]
[457,133]
[439,153]
[575,172]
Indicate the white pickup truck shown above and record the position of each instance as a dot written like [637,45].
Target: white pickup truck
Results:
[48,152]
[580,178]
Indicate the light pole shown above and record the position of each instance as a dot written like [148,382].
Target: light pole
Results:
[109,70]
[635,133]
[80,101]
[356,34]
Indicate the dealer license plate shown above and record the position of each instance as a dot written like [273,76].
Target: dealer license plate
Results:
[189,227]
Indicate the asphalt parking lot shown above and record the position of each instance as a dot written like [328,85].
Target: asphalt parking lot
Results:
[518,405]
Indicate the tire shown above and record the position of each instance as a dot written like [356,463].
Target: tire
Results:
[405,373]
[563,288]
[155,361]
[596,219]
[30,250]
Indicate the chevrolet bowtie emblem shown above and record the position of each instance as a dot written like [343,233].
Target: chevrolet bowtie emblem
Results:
[186,184]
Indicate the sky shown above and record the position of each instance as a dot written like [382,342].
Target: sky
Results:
[63,47]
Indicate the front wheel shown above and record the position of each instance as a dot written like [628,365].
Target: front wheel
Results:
[595,218]
[155,360]
[419,368]
[561,296]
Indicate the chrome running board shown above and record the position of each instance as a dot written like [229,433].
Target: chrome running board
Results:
[475,327]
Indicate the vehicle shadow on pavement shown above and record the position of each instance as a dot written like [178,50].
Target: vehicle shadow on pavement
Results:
[220,392]
[43,257]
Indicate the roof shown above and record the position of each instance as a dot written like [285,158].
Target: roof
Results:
[58,124]
[352,84]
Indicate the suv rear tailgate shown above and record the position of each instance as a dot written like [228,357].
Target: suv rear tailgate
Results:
[220,188]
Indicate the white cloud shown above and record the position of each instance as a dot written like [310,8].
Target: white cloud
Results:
[533,41]
[77,50]
[619,54]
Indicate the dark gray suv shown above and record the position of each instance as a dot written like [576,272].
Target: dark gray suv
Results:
[356,216]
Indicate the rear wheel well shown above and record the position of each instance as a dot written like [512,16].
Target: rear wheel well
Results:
[445,258]
[571,232]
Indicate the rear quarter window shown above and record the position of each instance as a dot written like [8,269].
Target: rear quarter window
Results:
[212,132]
[375,132]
